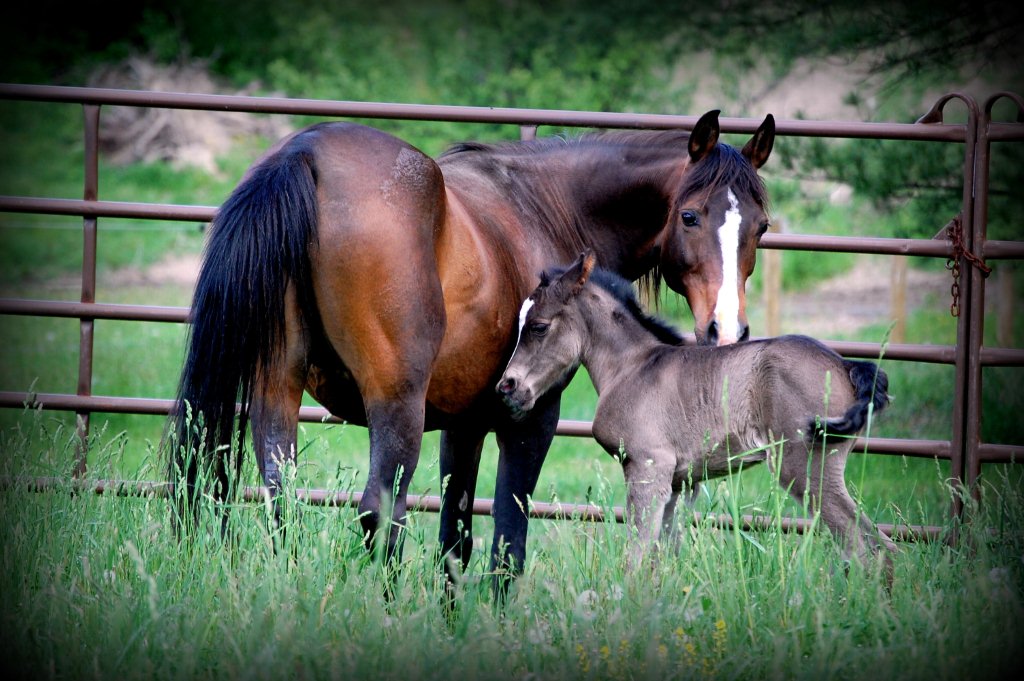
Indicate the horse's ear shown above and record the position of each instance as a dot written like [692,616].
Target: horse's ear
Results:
[704,136]
[759,147]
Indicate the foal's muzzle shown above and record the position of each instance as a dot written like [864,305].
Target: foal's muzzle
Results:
[517,400]
[507,386]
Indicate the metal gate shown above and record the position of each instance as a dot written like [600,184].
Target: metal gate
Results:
[965,247]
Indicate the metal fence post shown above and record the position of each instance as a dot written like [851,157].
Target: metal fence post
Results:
[86,324]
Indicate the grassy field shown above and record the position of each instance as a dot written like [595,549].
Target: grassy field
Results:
[97,587]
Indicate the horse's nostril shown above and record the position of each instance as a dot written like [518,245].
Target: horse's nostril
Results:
[744,332]
[712,333]
[507,386]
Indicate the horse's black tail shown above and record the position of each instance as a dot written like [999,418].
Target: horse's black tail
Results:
[871,386]
[259,242]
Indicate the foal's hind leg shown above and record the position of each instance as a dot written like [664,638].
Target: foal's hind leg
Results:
[822,481]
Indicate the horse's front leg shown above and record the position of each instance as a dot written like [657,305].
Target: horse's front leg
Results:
[460,463]
[522,447]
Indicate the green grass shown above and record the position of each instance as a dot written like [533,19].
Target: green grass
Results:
[96,586]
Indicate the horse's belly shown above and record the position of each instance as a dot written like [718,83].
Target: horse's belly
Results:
[467,367]
[337,391]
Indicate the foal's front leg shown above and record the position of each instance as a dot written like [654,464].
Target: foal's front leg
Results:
[649,495]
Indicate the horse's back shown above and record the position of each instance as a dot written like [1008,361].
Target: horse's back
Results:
[803,378]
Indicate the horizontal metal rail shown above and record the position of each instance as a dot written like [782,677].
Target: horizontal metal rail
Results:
[566,427]
[472,114]
[935,354]
[422,502]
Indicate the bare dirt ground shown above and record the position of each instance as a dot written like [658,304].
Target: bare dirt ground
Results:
[859,297]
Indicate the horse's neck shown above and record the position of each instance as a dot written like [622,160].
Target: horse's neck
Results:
[615,204]
[624,208]
[614,346]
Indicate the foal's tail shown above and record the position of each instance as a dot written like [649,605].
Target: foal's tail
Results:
[259,242]
[870,386]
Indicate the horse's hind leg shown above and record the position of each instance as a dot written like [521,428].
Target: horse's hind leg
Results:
[386,326]
[277,396]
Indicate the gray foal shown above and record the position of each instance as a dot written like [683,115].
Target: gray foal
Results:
[678,415]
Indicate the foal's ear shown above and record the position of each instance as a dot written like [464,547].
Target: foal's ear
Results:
[759,147]
[578,273]
[704,136]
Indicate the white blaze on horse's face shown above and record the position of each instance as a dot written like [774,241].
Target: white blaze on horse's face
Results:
[727,308]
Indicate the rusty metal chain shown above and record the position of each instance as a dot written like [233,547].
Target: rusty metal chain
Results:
[955,233]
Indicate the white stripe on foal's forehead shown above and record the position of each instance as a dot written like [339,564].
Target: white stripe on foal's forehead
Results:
[523,311]
[727,309]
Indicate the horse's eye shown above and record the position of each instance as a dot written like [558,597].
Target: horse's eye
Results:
[763,228]
[538,329]
[689,218]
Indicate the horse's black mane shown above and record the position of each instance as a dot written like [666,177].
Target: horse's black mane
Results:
[622,290]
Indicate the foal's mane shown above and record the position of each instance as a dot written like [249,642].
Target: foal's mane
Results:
[622,292]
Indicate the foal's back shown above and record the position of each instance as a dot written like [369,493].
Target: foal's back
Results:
[713,404]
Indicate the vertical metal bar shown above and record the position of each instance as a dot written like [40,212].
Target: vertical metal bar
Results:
[975,311]
[86,326]
[958,448]
[527,132]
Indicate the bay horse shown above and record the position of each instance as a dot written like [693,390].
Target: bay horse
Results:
[677,415]
[385,283]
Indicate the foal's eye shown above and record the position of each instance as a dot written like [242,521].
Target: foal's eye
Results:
[689,218]
[763,228]
[538,329]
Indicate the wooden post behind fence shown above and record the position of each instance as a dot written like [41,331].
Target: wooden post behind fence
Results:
[898,298]
[771,278]
[1005,302]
